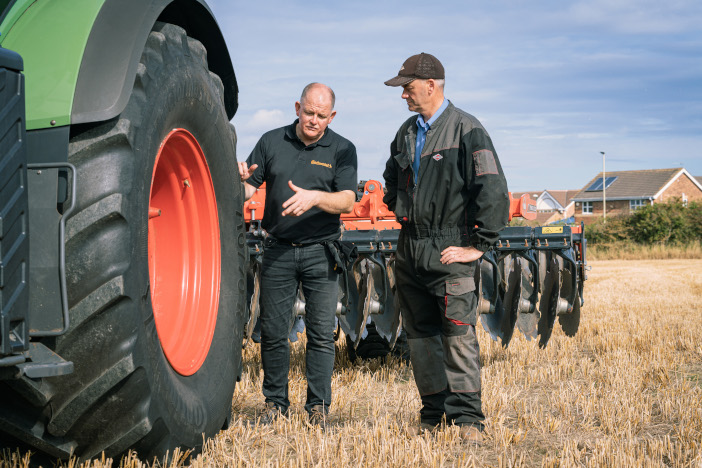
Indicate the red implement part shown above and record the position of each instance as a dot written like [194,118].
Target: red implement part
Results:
[370,212]
[184,252]
[523,207]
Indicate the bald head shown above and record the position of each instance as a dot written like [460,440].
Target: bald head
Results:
[315,110]
[319,89]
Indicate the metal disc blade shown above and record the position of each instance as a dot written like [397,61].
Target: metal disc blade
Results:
[348,320]
[549,301]
[486,289]
[509,318]
[386,323]
[362,319]
[528,318]
[491,322]
[397,324]
[544,259]
[254,288]
[297,322]
[570,322]
[298,327]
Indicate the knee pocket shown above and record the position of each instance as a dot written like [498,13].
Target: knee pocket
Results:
[460,301]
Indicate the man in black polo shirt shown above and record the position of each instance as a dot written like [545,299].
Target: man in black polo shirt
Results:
[310,175]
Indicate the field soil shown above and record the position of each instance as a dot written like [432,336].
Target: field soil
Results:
[625,391]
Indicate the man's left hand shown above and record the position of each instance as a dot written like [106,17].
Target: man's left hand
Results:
[456,254]
[299,203]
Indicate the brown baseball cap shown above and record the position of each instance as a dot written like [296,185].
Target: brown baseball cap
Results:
[421,66]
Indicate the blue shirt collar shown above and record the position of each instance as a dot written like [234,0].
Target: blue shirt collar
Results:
[427,125]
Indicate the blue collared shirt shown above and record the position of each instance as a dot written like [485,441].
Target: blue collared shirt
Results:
[422,129]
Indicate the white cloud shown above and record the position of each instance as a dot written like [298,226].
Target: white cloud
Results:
[264,120]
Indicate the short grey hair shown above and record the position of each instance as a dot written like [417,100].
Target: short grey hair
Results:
[315,84]
[440,83]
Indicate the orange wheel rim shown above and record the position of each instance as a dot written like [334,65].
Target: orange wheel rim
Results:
[184,251]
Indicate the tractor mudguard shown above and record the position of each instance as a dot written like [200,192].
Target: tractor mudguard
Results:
[87,75]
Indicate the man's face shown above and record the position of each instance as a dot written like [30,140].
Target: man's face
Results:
[315,114]
[417,95]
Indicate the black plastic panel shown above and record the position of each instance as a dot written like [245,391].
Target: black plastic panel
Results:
[14,224]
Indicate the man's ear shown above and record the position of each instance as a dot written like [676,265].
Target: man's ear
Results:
[431,86]
[331,116]
[297,108]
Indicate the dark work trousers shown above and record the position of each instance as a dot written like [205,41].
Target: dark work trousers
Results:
[284,266]
[439,308]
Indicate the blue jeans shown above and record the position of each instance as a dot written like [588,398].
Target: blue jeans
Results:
[284,266]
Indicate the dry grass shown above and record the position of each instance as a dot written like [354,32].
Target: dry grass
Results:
[633,251]
[626,391]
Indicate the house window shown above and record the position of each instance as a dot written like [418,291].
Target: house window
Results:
[684,199]
[587,207]
[635,204]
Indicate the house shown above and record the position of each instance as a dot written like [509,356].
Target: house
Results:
[625,191]
[551,205]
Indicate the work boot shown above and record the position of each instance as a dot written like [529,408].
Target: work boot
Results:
[270,413]
[421,429]
[471,435]
[318,417]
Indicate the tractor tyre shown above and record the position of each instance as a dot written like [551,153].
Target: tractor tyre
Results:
[155,271]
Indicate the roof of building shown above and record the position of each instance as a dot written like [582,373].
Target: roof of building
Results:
[563,197]
[625,185]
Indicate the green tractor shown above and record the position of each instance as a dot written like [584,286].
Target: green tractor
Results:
[122,244]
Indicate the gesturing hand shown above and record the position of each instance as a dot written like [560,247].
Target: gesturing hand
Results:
[245,171]
[456,254]
[299,203]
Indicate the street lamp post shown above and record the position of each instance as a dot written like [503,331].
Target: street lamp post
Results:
[604,196]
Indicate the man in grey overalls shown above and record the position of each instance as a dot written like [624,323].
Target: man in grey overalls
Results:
[446,186]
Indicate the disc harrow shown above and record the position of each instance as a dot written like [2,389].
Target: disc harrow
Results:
[531,276]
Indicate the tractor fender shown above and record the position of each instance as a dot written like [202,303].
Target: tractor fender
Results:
[115,46]
[81,57]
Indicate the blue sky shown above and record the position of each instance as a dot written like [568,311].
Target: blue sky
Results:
[553,82]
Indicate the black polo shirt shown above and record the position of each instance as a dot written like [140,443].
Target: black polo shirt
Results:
[328,165]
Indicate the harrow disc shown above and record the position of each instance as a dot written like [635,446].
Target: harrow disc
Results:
[570,321]
[548,304]
[388,324]
[513,272]
[369,305]
[350,317]
[487,285]
[524,302]
[254,279]
[298,312]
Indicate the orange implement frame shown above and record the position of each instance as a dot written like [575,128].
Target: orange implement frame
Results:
[370,212]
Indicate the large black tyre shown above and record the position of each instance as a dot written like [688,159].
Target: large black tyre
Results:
[124,393]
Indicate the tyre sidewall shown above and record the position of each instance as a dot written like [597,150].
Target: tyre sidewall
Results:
[182,94]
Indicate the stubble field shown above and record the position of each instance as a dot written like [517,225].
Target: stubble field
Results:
[626,391]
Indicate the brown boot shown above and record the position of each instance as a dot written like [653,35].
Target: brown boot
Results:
[318,417]
[471,435]
[270,413]
[421,429]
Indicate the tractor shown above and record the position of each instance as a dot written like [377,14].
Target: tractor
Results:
[122,242]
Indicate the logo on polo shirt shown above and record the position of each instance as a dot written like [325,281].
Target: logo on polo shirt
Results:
[437,157]
[318,163]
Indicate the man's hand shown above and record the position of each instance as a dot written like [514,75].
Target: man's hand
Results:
[299,203]
[455,254]
[245,171]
